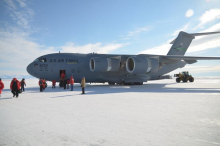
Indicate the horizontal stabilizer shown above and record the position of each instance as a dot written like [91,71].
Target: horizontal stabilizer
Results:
[196,34]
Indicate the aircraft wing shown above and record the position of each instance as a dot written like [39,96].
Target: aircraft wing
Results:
[170,59]
[177,57]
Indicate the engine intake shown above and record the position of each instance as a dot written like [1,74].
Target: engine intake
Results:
[99,64]
[138,65]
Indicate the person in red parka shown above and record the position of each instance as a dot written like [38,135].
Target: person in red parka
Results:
[71,83]
[62,75]
[15,87]
[44,84]
[1,86]
[53,84]
[40,83]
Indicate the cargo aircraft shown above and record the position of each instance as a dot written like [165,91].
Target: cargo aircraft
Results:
[120,69]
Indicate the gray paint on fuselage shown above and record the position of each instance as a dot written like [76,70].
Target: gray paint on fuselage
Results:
[78,66]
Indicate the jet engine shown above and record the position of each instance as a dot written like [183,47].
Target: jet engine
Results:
[141,65]
[100,64]
[154,65]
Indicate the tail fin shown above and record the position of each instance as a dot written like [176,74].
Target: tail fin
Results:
[182,42]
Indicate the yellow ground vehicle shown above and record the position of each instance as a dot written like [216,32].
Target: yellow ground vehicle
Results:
[184,76]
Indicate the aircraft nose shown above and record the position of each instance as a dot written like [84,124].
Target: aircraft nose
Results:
[30,69]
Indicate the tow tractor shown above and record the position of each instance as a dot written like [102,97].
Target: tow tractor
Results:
[184,76]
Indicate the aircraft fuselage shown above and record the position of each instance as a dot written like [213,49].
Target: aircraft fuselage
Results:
[100,67]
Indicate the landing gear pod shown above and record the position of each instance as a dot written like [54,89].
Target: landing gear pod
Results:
[98,64]
[138,65]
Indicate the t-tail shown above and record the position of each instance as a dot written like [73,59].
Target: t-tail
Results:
[182,42]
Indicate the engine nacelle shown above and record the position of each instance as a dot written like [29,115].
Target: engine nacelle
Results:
[99,64]
[154,65]
[138,65]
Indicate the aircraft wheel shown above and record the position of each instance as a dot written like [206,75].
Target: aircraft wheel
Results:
[126,83]
[138,83]
[177,80]
[132,83]
[191,79]
[111,83]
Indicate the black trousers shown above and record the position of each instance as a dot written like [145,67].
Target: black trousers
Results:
[15,92]
[41,88]
[64,86]
[83,90]
[22,88]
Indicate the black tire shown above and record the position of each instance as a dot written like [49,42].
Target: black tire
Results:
[185,79]
[177,80]
[126,83]
[191,79]
[138,83]
[111,83]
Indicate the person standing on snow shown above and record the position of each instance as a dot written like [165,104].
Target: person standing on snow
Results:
[68,82]
[40,83]
[44,84]
[15,87]
[53,84]
[22,84]
[83,84]
[1,86]
[71,83]
[64,83]
[62,76]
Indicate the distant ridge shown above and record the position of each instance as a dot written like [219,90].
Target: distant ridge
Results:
[16,76]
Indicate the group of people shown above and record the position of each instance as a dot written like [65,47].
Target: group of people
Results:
[66,82]
[15,86]
[18,87]
[42,83]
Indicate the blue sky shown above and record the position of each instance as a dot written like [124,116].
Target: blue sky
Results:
[30,28]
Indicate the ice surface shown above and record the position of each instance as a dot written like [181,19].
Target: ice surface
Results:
[158,113]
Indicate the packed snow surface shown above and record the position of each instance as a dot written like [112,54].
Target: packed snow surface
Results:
[158,113]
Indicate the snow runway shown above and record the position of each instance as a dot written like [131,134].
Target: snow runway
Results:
[157,113]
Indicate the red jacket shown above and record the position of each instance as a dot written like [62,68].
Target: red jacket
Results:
[44,83]
[18,84]
[62,75]
[54,82]
[71,81]
[1,86]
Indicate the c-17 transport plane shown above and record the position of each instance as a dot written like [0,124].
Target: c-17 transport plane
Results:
[120,69]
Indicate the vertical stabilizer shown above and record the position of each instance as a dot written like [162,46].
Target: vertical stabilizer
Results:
[181,44]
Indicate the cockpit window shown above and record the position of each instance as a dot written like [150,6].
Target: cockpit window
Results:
[40,60]
[43,60]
